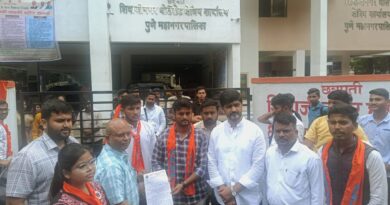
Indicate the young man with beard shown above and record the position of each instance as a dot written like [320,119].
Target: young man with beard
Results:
[236,155]
[31,170]
[209,113]
[318,133]
[294,172]
[153,114]
[377,125]
[182,151]
[354,171]
[113,168]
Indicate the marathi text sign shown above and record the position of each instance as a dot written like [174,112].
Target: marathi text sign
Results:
[27,32]
[359,90]
[367,15]
[191,21]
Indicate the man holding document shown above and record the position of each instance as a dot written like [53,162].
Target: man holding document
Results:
[181,151]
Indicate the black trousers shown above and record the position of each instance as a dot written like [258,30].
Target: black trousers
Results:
[388,190]
[212,200]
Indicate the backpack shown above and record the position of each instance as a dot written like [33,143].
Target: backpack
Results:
[322,112]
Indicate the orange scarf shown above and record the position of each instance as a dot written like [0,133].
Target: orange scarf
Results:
[190,159]
[137,161]
[9,142]
[353,194]
[90,199]
[117,111]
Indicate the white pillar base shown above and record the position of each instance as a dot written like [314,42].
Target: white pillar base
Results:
[299,63]
[233,67]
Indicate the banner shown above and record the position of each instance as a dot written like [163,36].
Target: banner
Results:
[358,86]
[27,32]
[182,21]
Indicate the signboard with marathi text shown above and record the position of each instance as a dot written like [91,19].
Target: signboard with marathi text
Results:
[358,86]
[27,32]
[181,21]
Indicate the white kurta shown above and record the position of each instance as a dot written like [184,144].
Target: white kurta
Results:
[155,117]
[148,139]
[237,155]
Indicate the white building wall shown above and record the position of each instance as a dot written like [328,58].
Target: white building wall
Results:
[75,23]
[71,20]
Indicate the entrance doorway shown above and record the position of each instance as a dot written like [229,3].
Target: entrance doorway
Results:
[187,65]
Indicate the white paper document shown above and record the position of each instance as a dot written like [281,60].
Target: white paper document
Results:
[157,188]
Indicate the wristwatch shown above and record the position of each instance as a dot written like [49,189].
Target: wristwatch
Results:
[234,193]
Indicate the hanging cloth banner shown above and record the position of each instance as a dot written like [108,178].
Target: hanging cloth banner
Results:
[27,32]
[4,85]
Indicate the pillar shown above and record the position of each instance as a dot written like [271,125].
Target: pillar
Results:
[299,63]
[345,64]
[233,66]
[318,36]
[250,38]
[100,53]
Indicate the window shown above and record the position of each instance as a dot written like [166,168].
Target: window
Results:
[273,8]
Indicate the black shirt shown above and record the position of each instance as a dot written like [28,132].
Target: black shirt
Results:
[339,166]
[196,107]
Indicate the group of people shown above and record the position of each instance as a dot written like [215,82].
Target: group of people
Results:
[340,159]
[350,152]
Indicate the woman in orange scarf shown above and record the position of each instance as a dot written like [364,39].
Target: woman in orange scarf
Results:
[73,176]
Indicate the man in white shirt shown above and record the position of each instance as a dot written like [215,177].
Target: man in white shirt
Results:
[153,114]
[236,155]
[294,172]
[142,141]
[282,103]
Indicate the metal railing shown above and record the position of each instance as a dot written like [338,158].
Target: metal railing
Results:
[102,104]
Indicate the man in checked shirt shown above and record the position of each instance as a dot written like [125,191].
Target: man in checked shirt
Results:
[182,151]
[32,169]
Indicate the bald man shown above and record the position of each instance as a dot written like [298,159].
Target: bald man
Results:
[113,169]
